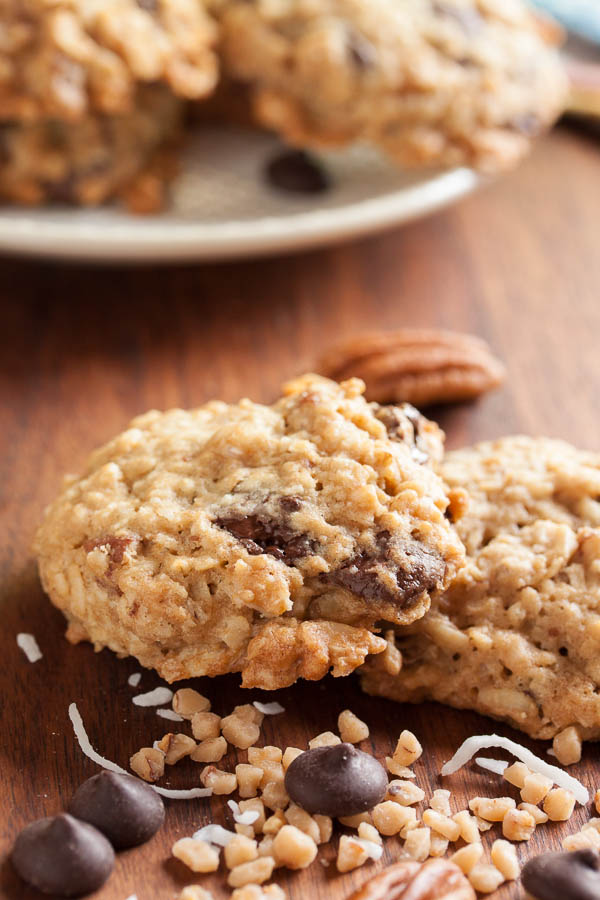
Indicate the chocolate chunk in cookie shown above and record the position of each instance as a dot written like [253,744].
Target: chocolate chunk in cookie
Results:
[398,572]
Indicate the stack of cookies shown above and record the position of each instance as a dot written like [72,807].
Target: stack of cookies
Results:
[91,90]
[327,533]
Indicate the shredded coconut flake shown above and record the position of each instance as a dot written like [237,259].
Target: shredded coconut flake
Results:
[484,741]
[88,750]
[214,834]
[158,697]
[184,794]
[242,818]
[492,765]
[551,752]
[133,681]
[169,714]
[84,742]
[132,897]
[269,709]
[29,646]
[373,850]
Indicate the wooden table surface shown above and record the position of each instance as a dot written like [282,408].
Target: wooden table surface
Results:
[85,349]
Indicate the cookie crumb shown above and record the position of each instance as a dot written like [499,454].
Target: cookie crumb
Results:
[209,751]
[567,746]
[187,702]
[467,857]
[221,782]
[294,849]
[485,878]
[559,805]
[408,749]
[504,857]
[148,763]
[196,855]
[518,825]
[352,729]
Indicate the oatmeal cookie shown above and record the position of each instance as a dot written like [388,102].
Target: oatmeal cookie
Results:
[517,634]
[429,81]
[66,58]
[263,539]
[85,162]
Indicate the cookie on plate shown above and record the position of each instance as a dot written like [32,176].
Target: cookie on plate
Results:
[517,634]
[267,540]
[66,58]
[453,82]
[89,161]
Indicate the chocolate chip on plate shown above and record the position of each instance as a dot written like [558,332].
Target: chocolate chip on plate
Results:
[336,781]
[570,876]
[295,171]
[123,808]
[62,855]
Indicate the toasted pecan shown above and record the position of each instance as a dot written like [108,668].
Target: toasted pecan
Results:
[409,880]
[419,366]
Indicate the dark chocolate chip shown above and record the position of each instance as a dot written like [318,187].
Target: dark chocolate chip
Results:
[336,781]
[528,124]
[259,534]
[123,808]
[62,855]
[296,172]
[413,568]
[568,876]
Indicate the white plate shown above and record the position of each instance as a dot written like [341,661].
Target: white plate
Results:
[223,208]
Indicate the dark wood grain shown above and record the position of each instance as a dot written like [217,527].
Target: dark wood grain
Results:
[85,349]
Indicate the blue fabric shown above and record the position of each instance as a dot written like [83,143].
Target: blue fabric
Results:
[580,16]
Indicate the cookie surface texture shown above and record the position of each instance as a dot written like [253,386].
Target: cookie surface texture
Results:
[429,82]
[517,634]
[267,540]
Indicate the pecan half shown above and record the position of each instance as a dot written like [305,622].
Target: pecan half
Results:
[436,879]
[419,366]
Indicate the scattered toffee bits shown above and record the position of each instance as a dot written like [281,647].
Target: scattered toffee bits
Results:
[336,781]
[62,855]
[123,808]
[570,876]
[295,172]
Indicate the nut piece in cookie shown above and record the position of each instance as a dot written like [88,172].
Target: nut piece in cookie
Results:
[267,540]
[516,634]
[452,82]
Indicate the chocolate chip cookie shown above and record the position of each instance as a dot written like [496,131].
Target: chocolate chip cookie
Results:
[517,634]
[266,540]
[429,81]
[85,162]
[67,58]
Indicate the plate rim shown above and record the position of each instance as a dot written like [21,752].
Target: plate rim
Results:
[267,235]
